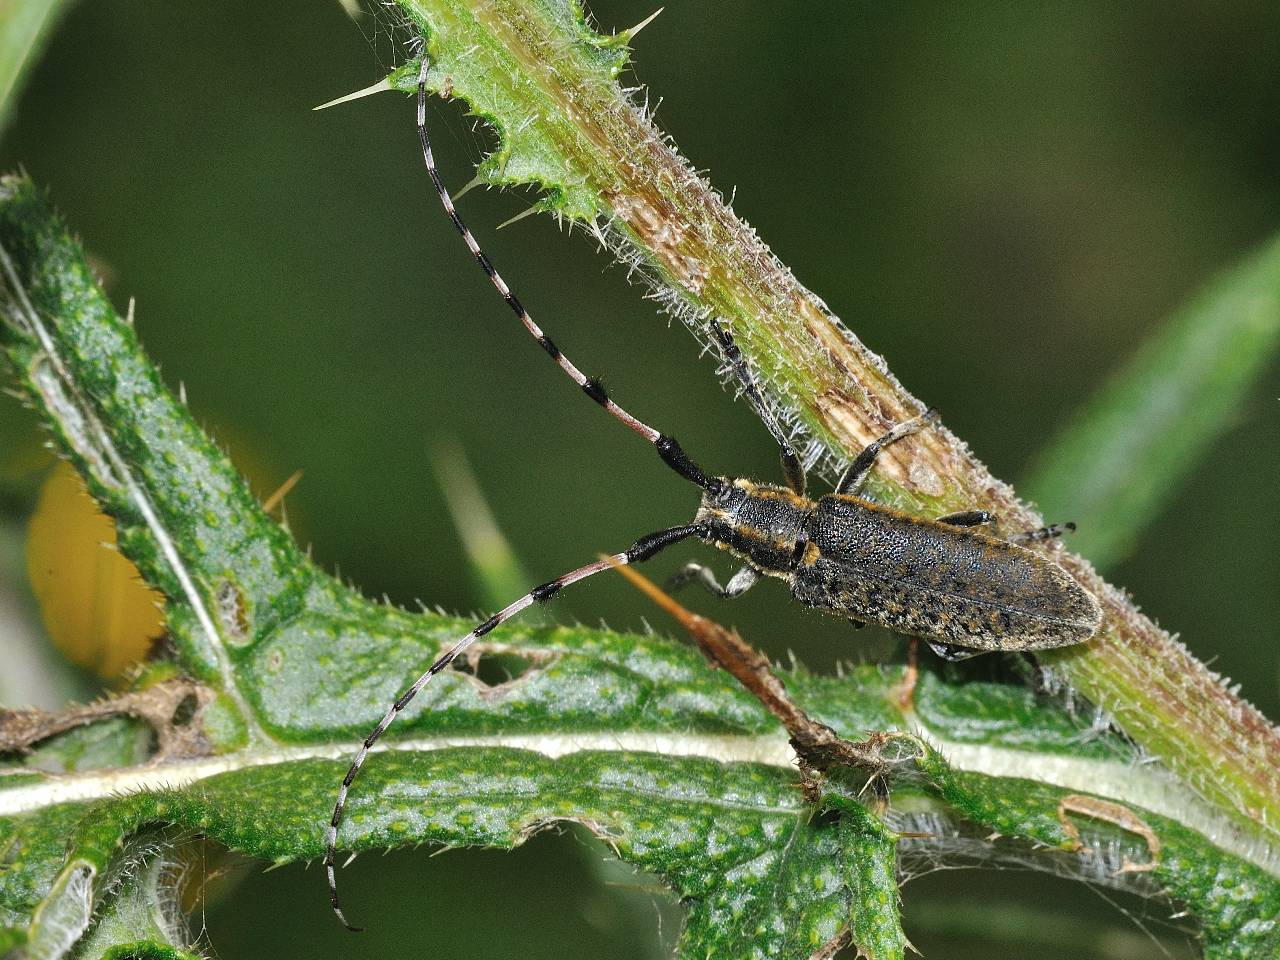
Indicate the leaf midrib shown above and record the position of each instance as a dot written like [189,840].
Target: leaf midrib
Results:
[1151,788]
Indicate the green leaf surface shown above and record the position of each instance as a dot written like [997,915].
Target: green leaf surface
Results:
[760,874]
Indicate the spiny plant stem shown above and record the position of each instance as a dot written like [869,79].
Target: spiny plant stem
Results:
[533,68]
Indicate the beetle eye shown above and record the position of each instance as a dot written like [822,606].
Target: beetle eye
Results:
[721,490]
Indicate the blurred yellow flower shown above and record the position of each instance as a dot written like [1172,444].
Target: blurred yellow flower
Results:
[95,607]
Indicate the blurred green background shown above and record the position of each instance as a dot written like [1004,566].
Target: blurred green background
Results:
[1002,199]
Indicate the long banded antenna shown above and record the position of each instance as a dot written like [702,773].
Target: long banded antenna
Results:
[792,467]
[642,549]
[668,448]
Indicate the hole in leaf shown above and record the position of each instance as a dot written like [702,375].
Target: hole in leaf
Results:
[497,667]
[232,611]
[184,711]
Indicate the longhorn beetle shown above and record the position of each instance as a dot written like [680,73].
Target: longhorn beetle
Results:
[962,591]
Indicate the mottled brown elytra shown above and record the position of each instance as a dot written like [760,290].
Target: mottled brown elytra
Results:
[960,590]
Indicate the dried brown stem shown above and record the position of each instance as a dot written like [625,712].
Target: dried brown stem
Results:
[818,747]
[164,706]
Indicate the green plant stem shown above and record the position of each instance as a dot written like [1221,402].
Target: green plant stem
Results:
[530,67]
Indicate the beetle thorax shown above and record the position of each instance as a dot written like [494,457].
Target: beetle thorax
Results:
[763,524]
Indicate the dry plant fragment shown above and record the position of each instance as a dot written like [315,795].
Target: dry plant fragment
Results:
[173,708]
[1113,813]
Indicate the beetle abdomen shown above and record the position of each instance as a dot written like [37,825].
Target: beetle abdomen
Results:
[932,580]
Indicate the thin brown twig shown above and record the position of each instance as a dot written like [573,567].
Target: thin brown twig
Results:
[818,747]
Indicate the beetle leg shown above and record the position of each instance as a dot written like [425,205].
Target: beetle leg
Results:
[738,584]
[1043,533]
[968,518]
[952,653]
[792,468]
[857,471]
